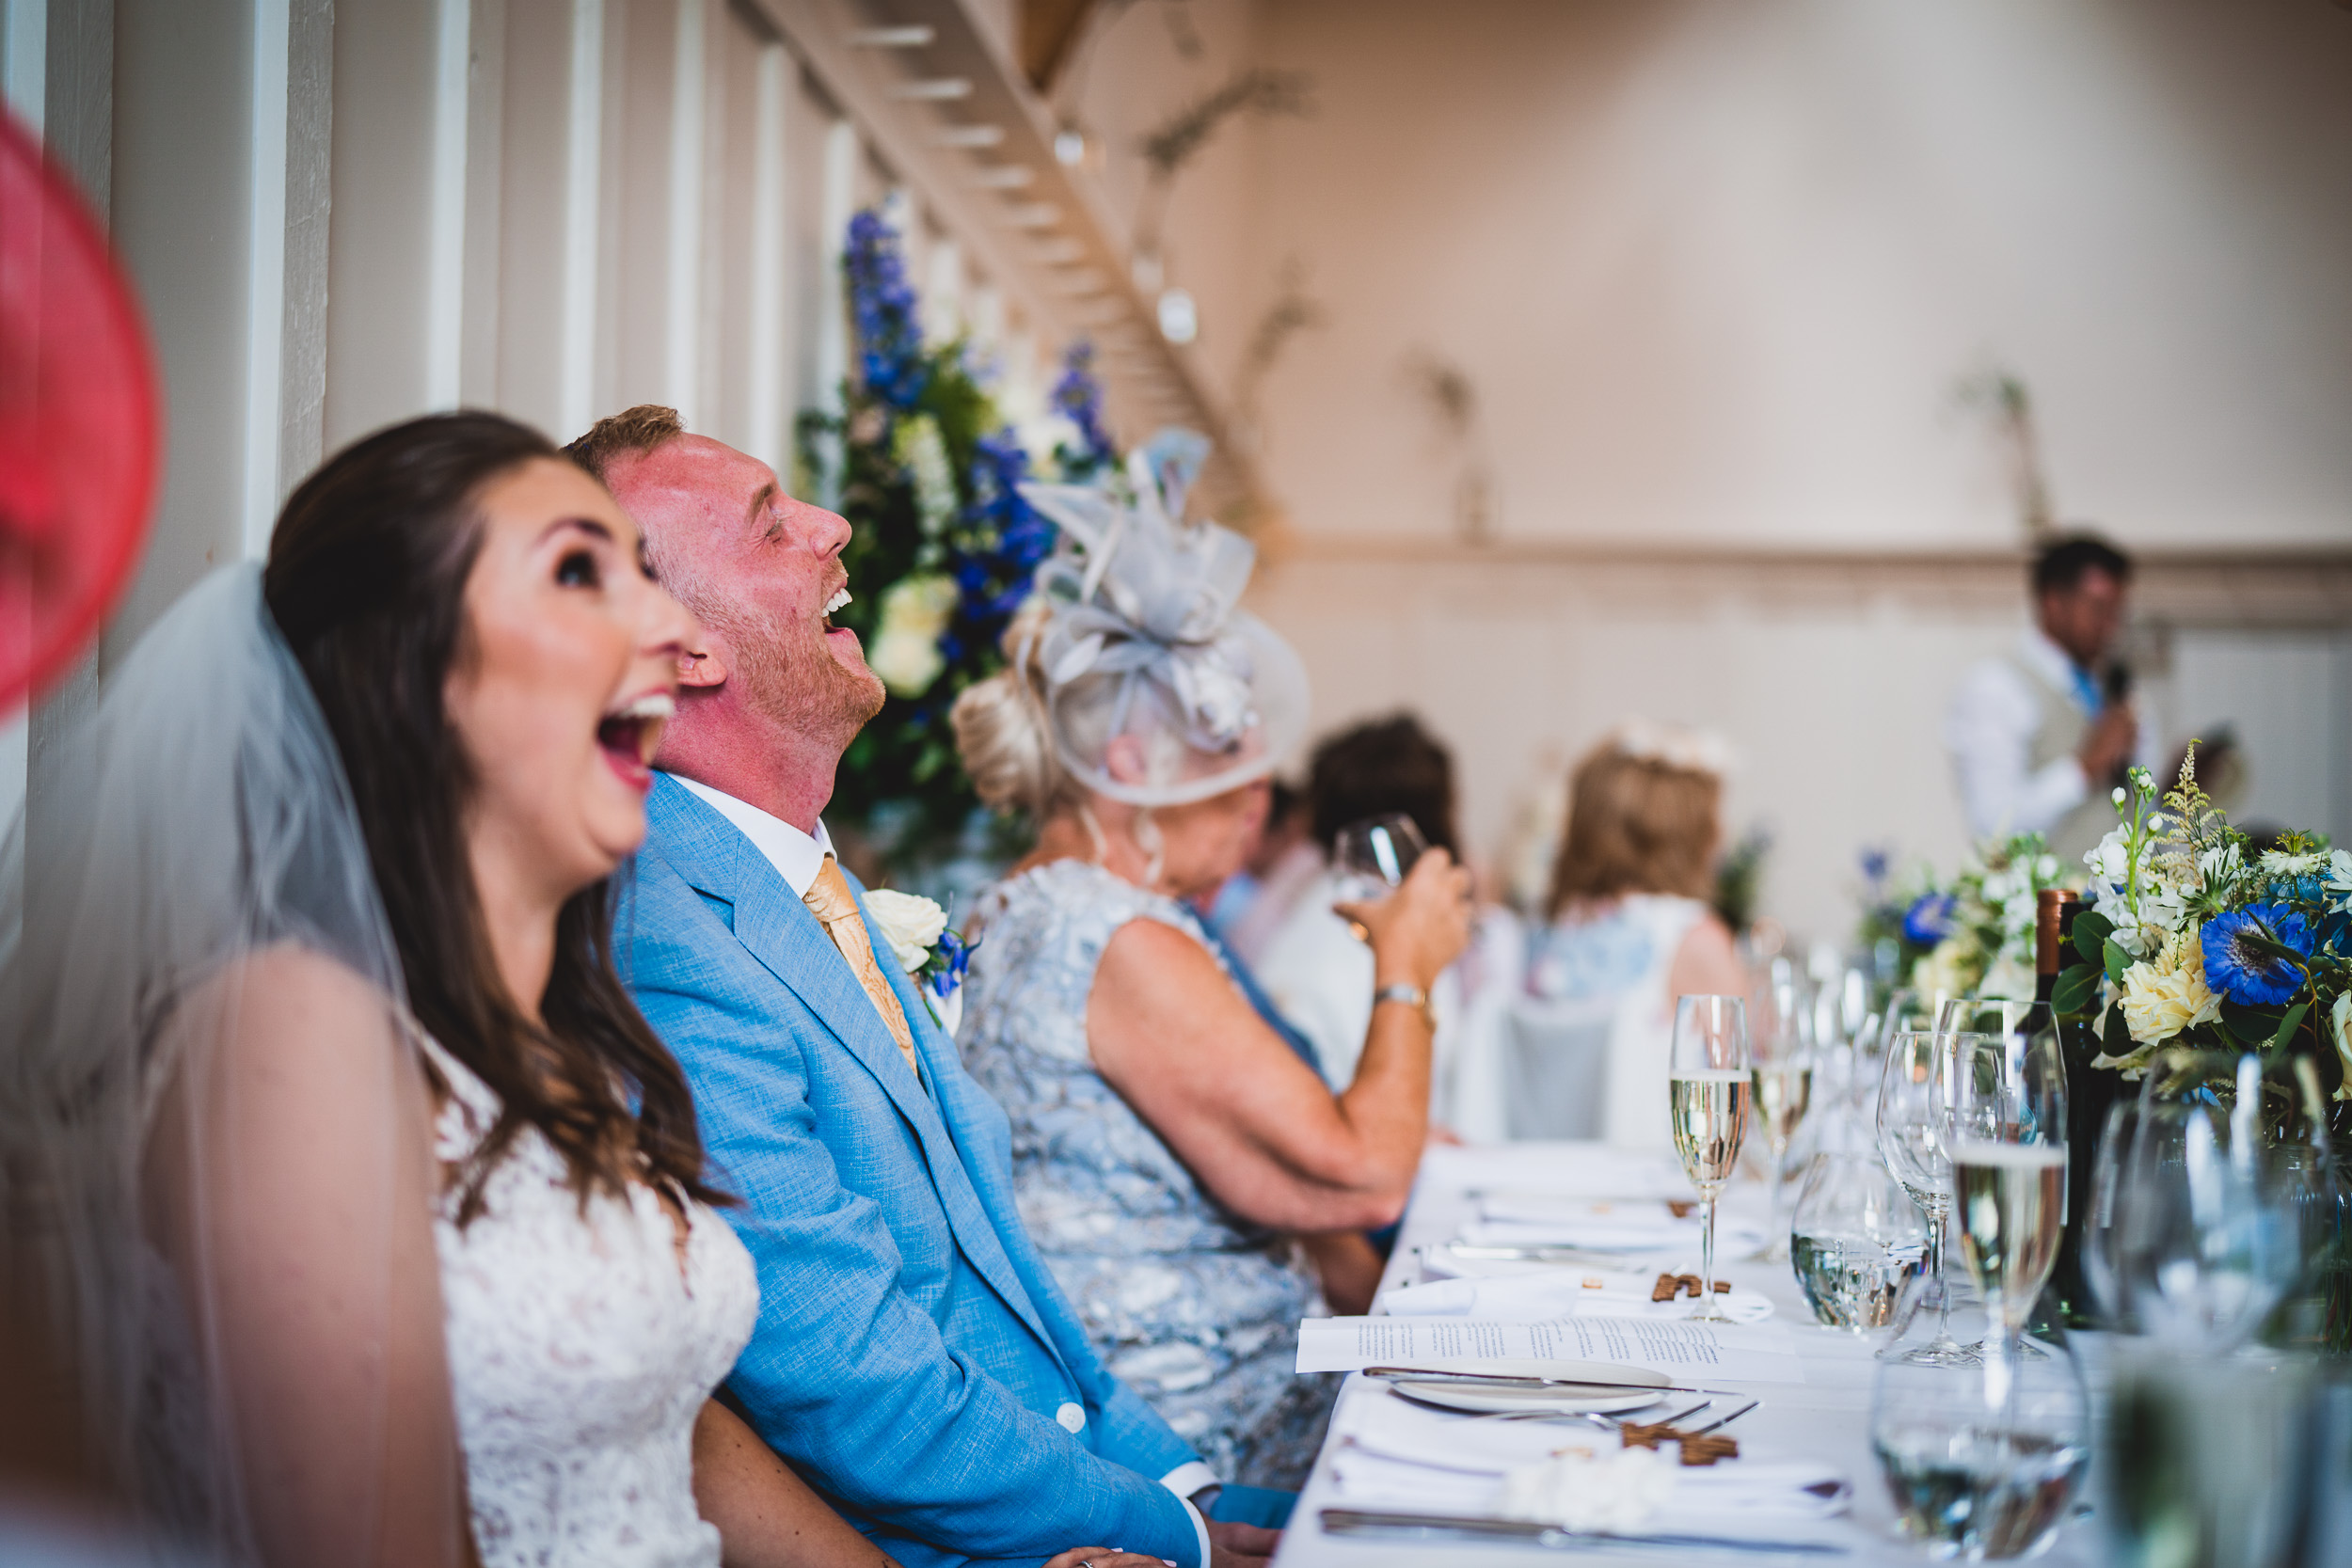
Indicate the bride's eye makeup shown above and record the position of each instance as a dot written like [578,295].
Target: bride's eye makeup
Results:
[577,569]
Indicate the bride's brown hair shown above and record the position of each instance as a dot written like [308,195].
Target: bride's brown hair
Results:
[366,579]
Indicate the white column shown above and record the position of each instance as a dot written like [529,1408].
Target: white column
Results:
[266,276]
[26,86]
[766,399]
[583,174]
[688,127]
[445,253]
[833,320]
[27,46]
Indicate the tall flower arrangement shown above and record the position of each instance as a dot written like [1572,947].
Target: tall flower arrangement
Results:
[2198,939]
[927,469]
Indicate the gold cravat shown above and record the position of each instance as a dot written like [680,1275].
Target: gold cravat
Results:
[834,906]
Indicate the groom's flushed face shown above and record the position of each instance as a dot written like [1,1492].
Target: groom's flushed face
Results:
[762,571]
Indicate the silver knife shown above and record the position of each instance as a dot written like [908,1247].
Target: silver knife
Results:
[1508,1380]
[1547,1253]
[1526,1532]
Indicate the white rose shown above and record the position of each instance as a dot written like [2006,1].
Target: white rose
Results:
[910,923]
[915,611]
[2340,873]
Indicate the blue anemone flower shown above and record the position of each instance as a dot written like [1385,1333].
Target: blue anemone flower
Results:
[2245,973]
[1929,920]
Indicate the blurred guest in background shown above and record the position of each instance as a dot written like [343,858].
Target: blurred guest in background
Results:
[1315,969]
[1629,927]
[2038,736]
[1167,1147]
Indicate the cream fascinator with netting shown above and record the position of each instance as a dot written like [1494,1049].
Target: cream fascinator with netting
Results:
[1157,689]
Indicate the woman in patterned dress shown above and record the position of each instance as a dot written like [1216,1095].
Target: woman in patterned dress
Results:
[1176,1162]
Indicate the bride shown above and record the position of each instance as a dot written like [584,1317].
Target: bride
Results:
[331,1147]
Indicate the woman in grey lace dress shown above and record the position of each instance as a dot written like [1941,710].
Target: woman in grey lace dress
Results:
[1182,1171]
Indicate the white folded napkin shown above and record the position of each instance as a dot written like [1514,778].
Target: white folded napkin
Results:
[1562,1293]
[1404,1455]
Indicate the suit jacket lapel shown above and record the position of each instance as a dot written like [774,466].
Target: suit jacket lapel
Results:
[779,931]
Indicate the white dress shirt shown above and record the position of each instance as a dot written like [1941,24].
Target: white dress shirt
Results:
[798,857]
[1990,731]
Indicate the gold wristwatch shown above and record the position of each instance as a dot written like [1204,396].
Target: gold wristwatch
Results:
[1413,997]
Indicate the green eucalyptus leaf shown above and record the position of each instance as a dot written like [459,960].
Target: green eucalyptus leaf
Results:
[2091,931]
[2076,991]
[2254,1025]
[2289,1024]
[2116,960]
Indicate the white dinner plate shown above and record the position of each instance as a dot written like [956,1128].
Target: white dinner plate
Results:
[1567,1398]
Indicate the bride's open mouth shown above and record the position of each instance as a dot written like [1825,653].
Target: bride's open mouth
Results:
[631,734]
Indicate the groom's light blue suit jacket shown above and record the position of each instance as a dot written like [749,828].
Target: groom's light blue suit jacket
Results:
[913,1354]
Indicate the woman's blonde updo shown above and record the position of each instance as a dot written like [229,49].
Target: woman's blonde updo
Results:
[1002,733]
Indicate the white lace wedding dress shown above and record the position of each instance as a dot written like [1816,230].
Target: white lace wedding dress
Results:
[582,1353]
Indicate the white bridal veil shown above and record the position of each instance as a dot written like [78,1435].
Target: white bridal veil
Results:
[214,1155]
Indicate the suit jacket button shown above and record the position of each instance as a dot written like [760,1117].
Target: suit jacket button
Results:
[1072,1417]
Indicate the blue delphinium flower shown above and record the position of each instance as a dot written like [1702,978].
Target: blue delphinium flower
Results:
[1929,920]
[942,972]
[2245,973]
[999,546]
[1875,863]
[886,312]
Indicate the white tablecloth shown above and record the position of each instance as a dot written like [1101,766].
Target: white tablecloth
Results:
[1828,1415]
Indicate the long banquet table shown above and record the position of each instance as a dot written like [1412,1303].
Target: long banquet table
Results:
[1826,1417]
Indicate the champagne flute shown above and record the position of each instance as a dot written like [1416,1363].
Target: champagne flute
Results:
[1782,1074]
[1708,1088]
[2005,1132]
[1911,1137]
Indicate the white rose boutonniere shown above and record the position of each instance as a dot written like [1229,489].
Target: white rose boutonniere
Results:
[916,929]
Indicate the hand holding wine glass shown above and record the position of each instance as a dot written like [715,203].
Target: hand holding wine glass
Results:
[1709,1085]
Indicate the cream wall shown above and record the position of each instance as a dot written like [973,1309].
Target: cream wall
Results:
[1715,266]
[1715,270]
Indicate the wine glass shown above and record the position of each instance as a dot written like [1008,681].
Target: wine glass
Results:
[1373,856]
[1910,1115]
[1707,1088]
[2207,1213]
[2005,1134]
[1855,1241]
[2110,1170]
[1782,1074]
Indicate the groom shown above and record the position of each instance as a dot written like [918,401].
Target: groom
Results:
[914,1359]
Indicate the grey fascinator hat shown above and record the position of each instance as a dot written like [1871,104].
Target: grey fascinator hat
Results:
[1158,690]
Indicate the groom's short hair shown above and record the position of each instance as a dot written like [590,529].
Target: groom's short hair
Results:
[631,433]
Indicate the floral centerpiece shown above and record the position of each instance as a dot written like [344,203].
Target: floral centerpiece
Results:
[2198,940]
[927,469]
[1969,936]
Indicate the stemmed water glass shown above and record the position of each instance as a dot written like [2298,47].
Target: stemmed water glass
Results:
[1911,1125]
[2206,1222]
[1708,1089]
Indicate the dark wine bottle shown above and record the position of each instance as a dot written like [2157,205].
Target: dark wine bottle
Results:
[2088,1093]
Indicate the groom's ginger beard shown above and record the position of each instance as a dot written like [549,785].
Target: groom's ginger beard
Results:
[784,671]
